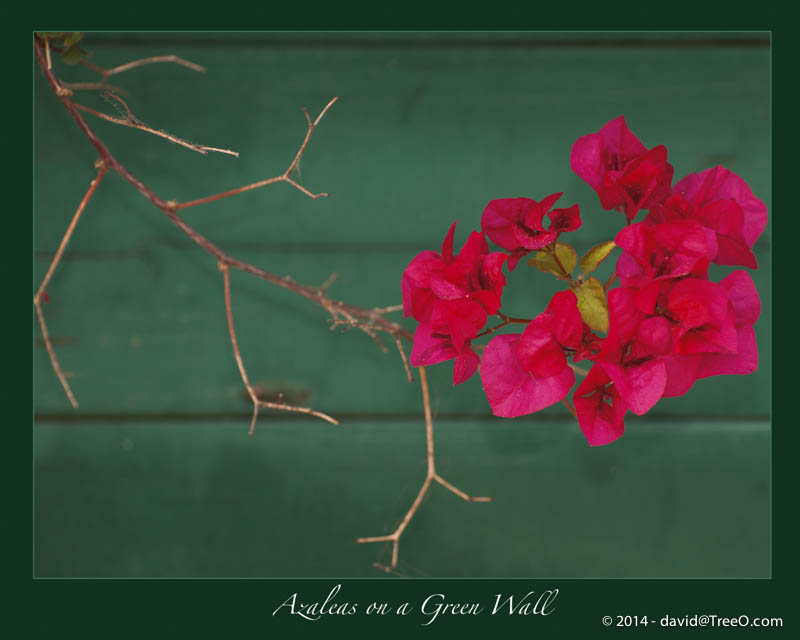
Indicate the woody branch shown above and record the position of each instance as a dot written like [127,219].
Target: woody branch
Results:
[370,321]
[430,477]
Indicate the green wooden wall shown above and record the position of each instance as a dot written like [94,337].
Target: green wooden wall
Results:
[154,474]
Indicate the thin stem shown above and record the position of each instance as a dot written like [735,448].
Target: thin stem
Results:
[609,282]
[577,369]
[106,73]
[53,359]
[284,177]
[392,309]
[506,321]
[101,171]
[570,408]
[370,321]
[403,357]
[491,330]
[510,319]
[426,407]
[93,86]
[134,123]
[430,477]
[243,372]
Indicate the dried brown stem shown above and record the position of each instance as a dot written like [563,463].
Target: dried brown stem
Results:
[430,477]
[107,73]
[101,171]
[366,320]
[403,357]
[392,309]
[284,177]
[226,278]
[134,123]
[94,86]
[370,321]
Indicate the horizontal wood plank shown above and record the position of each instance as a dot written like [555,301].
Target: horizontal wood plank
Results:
[671,499]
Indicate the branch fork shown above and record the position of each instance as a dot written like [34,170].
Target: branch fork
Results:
[430,477]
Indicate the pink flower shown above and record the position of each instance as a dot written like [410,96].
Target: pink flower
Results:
[600,408]
[624,173]
[516,224]
[695,329]
[522,374]
[431,347]
[713,324]
[721,201]
[654,255]
[632,355]
[452,297]
[474,274]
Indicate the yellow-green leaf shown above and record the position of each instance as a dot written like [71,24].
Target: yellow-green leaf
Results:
[594,256]
[72,38]
[592,304]
[544,260]
[73,55]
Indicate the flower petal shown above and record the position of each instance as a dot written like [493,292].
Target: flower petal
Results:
[512,391]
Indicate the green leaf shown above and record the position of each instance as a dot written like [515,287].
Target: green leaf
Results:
[73,55]
[544,260]
[50,35]
[592,304]
[594,256]
[72,38]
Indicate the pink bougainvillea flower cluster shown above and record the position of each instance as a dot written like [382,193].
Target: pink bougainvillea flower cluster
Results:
[517,224]
[452,297]
[626,175]
[668,324]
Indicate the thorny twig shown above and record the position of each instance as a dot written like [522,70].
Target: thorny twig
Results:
[286,176]
[430,477]
[93,86]
[134,123]
[101,171]
[107,73]
[243,372]
[369,321]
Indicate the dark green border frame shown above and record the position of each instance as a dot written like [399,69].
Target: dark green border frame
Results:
[238,607]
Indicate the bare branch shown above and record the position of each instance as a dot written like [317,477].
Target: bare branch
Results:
[94,86]
[243,372]
[101,171]
[284,177]
[430,477]
[370,321]
[107,73]
[393,308]
[134,123]
[403,357]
